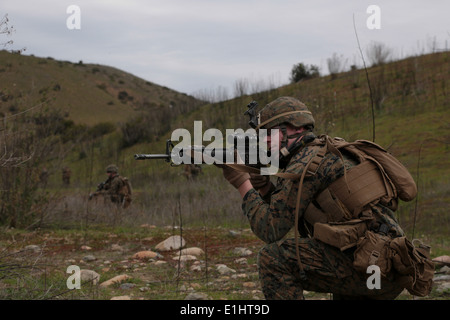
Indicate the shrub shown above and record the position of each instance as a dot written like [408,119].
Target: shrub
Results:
[301,71]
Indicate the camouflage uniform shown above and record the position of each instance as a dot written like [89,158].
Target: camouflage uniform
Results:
[111,189]
[112,186]
[327,268]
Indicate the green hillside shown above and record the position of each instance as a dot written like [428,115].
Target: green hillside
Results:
[85,93]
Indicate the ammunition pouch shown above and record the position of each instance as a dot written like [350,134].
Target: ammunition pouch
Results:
[397,258]
[373,249]
[347,197]
[340,235]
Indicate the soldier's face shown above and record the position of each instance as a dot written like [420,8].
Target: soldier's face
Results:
[273,139]
[275,136]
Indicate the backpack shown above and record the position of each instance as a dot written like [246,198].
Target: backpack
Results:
[391,169]
[379,175]
[126,192]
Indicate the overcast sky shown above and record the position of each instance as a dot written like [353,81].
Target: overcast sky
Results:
[194,45]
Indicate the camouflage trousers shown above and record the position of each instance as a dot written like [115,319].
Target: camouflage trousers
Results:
[327,270]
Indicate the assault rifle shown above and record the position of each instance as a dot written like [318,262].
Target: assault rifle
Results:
[100,187]
[248,154]
[245,144]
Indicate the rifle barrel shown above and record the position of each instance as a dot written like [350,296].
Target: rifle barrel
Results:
[151,156]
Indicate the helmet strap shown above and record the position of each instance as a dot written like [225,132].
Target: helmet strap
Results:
[286,152]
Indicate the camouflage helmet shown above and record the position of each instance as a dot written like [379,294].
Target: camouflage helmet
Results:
[285,110]
[112,168]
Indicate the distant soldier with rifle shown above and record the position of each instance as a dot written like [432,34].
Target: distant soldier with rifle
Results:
[115,188]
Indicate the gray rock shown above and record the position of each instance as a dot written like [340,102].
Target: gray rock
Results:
[243,252]
[127,286]
[441,278]
[89,258]
[197,296]
[443,287]
[171,243]
[224,270]
[445,270]
[32,247]
[89,275]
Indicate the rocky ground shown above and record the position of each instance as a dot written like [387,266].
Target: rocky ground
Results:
[145,264]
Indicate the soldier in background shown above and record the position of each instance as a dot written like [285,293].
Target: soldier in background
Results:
[115,188]
[66,173]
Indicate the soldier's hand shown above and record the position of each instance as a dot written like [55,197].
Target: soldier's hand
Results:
[259,181]
[234,177]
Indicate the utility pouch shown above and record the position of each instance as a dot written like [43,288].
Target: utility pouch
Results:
[343,235]
[414,266]
[373,249]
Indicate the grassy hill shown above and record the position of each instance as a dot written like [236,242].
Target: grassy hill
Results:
[85,93]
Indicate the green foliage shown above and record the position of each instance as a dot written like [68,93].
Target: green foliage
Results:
[301,71]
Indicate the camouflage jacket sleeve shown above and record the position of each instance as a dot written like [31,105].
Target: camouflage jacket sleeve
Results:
[273,219]
[112,188]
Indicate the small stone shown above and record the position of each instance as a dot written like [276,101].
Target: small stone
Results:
[192,251]
[224,270]
[127,286]
[116,279]
[121,298]
[443,287]
[145,255]
[445,270]
[195,268]
[243,252]
[442,260]
[116,247]
[89,258]
[185,258]
[197,296]
[241,261]
[249,284]
[32,247]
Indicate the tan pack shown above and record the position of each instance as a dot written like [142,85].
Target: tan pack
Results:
[379,177]
[414,264]
[340,235]
[126,192]
[373,249]
[390,167]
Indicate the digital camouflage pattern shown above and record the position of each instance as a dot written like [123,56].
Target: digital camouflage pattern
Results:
[112,188]
[327,268]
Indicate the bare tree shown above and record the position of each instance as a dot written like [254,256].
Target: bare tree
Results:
[336,64]
[378,53]
[240,87]
[8,30]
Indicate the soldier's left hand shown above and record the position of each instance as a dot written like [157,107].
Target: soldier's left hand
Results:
[234,177]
